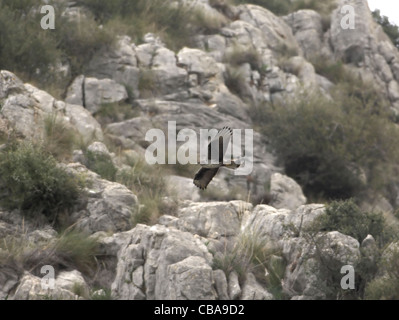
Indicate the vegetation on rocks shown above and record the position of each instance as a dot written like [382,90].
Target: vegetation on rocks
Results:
[335,148]
[32,181]
[71,249]
[390,29]
[76,192]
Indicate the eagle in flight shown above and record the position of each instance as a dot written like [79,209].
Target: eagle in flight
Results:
[216,148]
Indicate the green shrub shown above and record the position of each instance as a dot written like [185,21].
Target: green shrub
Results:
[391,30]
[248,252]
[333,148]
[24,47]
[76,248]
[332,70]
[35,54]
[31,180]
[71,249]
[386,287]
[239,55]
[284,7]
[105,294]
[241,254]
[382,289]
[148,184]
[206,23]
[176,24]
[101,164]
[59,138]
[347,218]
[234,80]
[114,112]
[79,39]
[147,84]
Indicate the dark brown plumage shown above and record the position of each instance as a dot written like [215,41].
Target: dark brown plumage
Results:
[216,148]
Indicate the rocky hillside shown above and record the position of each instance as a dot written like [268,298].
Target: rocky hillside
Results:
[77,195]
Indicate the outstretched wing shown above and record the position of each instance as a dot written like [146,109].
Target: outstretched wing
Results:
[204,176]
[218,145]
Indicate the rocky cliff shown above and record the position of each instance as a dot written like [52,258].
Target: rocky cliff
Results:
[196,247]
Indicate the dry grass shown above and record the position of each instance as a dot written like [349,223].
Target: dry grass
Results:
[69,250]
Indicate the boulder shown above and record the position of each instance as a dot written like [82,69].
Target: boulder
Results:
[10,84]
[83,121]
[130,132]
[109,205]
[30,287]
[101,91]
[210,219]
[312,265]
[366,47]
[303,70]
[72,281]
[118,63]
[285,192]
[234,286]
[306,25]
[19,112]
[9,278]
[221,284]
[75,92]
[190,279]
[175,265]
[99,148]
[275,32]
[24,108]
[169,77]
[198,62]
[276,225]
[252,290]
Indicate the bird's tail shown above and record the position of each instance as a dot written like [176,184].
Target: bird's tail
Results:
[232,165]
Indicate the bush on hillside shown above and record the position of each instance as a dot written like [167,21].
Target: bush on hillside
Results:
[347,218]
[390,29]
[32,181]
[335,149]
[386,287]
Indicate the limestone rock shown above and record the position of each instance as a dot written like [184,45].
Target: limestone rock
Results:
[100,91]
[285,192]
[275,31]
[75,92]
[9,278]
[10,84]
[234,286]
[118,63]
[72,281]
[109,206]
[30,287]
[190,279]
[221,285]
[307,28]
[175,264]
[209,219]
[252,290]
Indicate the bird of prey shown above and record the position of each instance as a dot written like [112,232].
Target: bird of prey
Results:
[216,149]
